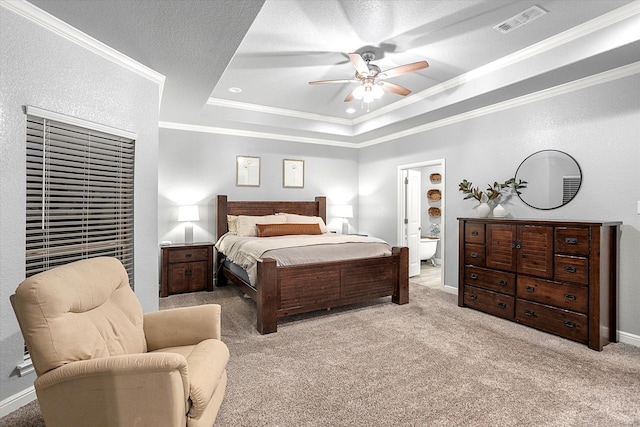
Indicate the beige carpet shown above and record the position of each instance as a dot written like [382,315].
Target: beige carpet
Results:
[428,363]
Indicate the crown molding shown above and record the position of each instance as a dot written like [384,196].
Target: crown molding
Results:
[66,31]
[219,102]
[253,134]
[596,79]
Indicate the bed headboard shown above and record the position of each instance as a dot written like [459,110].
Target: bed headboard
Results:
[259,208]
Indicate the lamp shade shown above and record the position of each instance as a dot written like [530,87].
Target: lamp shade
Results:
[343,211]
[188,213]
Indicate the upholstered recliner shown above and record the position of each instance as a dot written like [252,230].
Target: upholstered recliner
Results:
[101,362]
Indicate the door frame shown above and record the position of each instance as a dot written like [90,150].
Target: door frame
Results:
[401,203]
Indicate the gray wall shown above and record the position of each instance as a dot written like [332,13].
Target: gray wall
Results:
[194,167]
[50,72]
[598,126]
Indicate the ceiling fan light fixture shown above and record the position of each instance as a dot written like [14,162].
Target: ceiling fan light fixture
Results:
[358,92]
[377,91]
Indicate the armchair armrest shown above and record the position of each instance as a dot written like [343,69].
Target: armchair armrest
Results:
[182,326]
[116,390]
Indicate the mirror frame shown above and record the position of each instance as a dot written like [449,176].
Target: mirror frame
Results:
[562,204]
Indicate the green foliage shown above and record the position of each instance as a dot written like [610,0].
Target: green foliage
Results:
[492,192]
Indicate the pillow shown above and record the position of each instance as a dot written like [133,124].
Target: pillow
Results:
[247,224]
[303,219]
[232,223]
[269,230]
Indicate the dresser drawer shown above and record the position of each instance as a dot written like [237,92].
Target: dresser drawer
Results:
[474,254]
[561,295]
[489,302]
[188,254]
[571,269]
[572,241]
[474,233]
[565,323]
[498,281]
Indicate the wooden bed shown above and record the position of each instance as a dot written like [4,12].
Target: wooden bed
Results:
[283,291]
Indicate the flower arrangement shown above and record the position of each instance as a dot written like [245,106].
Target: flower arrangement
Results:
[493,192]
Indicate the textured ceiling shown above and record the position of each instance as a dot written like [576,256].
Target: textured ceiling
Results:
[272,49]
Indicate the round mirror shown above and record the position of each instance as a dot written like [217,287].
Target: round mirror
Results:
[553,179]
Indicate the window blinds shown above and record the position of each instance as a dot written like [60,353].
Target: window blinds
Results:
[79,195]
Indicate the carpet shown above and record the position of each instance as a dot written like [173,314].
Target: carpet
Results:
[427,363]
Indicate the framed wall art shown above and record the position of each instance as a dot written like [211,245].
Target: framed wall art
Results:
[247,171]
[293,173]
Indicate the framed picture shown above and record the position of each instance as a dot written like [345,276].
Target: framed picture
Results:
[293,173]
[247,171]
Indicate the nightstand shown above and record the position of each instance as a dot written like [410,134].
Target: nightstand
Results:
[186,268]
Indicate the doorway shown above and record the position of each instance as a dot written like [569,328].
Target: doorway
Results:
[421,219]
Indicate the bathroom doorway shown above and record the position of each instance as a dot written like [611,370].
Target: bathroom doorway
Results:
[421,225]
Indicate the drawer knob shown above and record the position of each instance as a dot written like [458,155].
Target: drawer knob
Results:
[530,288]
[474,276]
[474,254]
[570,269]
[474,233]
[502,282]
[569,324]
[570,297]
[502,305]
[529,313]
[473,296]
[188,255]
[571,240]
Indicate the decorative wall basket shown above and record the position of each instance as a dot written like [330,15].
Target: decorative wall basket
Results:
[435,178]
[434,195]
[434,212]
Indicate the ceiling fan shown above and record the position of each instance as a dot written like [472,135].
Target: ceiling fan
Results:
[373,80]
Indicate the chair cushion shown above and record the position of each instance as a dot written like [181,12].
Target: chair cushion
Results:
[82,310]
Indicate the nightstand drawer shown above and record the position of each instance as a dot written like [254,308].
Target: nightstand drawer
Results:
[188,255]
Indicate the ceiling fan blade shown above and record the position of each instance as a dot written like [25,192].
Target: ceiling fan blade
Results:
[392,87]
[359,63]
[349,97]
[403,69]
[323,82]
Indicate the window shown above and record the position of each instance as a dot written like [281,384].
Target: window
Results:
[79,192]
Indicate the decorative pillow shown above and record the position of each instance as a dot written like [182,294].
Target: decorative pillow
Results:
[247,224]
[303,219]
[232,223]
[270,230]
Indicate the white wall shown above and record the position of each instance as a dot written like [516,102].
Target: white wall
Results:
[598,126]
[42,69]
[194,167]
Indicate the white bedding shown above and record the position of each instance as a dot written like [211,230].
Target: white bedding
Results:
[298,249]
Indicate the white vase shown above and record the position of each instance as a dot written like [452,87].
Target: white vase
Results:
[483,210]
[499,211]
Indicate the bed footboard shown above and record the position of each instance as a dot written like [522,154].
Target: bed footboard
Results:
[284,291]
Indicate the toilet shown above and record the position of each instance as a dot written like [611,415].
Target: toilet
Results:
[428,246]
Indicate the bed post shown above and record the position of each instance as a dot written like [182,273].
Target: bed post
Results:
[401,292]
[267,296]
[321,205]
[221,215]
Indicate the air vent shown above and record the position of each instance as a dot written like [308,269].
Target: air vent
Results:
[520,19]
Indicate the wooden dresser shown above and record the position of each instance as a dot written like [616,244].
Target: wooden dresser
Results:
[557,276]
[186,268]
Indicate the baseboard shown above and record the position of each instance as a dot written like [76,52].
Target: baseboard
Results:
[450,289]
[628,338]
[18,400]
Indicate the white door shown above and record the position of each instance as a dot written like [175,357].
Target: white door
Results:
[412,220]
